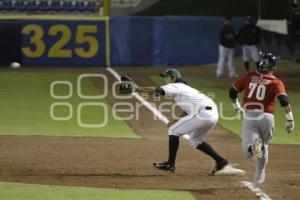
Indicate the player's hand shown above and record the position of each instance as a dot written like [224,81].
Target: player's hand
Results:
[289,126]
[238,110]
[236,106]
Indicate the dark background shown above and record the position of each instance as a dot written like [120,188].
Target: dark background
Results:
[270,9]
[10,42]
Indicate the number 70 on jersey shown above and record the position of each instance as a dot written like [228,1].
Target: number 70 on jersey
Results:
[257,90]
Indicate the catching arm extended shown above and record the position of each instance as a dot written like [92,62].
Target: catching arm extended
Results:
[150,90]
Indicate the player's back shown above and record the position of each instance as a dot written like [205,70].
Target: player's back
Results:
[187,97]
[260,90]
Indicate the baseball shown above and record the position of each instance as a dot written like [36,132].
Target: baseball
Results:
[15,65]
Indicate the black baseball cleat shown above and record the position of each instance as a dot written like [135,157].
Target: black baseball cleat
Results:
[164,166]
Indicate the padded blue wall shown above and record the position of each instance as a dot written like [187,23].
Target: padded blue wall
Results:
[166,40]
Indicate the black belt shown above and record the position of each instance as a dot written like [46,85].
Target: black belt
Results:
[208,108]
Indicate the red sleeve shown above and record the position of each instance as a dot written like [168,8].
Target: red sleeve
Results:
[280,89]
[239,84]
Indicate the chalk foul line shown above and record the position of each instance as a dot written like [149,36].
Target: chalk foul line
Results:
[257,191]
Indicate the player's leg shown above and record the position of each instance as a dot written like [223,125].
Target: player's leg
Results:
[173,148]
[185,125]
[197,140]
[207,121]
[246,57]
[231,67]
[250,135]
[254,54]
[221,61]
[169,165]
[261,163]
[266,130]
[188,125]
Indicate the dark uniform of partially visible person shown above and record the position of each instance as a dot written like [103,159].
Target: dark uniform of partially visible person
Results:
[228,39]
[249,37]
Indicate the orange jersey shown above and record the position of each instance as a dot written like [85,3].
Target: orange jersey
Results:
[260,90]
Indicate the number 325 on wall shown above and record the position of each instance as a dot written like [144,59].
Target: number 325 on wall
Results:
[84,34]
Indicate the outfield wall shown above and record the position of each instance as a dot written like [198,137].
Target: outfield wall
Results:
[116,41]
[165,40]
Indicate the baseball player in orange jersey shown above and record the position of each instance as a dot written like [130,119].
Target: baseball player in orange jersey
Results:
[261,88]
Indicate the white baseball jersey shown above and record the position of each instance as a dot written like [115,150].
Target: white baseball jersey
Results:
[202,114]
[187,98]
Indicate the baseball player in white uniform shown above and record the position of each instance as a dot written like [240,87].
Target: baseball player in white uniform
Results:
[200,115]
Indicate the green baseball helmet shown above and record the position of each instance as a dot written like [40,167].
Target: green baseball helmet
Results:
[171,73]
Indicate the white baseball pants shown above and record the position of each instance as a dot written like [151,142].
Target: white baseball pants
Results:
[258,124]
[197,126]
[225,54]
[250,51]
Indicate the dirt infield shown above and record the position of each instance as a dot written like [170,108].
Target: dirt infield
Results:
[127,163]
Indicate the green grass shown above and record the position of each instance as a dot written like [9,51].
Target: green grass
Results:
[17,191]
[25,107]
[218,90]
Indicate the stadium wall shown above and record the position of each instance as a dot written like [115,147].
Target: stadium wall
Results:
[117,41]
[64,43]
[165,40]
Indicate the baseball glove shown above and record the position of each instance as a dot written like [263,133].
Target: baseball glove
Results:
[127,85]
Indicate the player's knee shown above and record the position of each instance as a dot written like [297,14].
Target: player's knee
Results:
[172,131]
[194,143]
[175,130]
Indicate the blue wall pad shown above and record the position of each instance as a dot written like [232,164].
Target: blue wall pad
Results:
[166,40]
